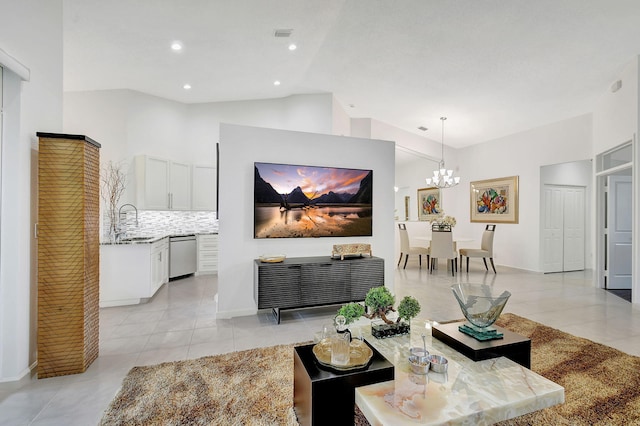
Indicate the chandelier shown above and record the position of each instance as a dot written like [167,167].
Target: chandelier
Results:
[443,178]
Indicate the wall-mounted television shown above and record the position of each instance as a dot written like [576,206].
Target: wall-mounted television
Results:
[292,201]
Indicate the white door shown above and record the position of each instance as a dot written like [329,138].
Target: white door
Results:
[563,228]
[574,229]
[619,227]
[552,226]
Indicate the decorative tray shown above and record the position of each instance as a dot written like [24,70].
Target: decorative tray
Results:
[359,355]
[272,258]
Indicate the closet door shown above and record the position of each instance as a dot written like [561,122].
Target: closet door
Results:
[552,227]
[563,228]
[573,229]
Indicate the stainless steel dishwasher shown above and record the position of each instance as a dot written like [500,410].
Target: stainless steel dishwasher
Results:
[182,255]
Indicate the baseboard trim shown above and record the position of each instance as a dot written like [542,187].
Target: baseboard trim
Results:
[20,380]
[239,313]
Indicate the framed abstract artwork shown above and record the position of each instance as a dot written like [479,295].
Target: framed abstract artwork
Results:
[428,203]
[495,200]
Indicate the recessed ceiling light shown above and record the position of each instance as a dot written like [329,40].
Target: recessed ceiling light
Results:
[292,46]
[276,83]
[176,45]
[187,86]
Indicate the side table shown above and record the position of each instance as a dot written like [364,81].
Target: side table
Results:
[324,396]
[513,346]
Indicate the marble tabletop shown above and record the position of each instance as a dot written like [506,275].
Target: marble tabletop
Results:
[478,393]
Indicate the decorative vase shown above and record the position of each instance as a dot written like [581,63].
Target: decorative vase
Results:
[481,307]
[382,330]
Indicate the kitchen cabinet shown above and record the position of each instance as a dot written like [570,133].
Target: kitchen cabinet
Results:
[204,188]
[159,264]
[314,281]
[162,184]
[207,253]
[132,273]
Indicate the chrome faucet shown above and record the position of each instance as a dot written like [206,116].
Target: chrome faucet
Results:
[120,212]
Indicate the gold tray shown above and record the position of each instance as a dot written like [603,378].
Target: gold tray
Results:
[276,258]
[359,354]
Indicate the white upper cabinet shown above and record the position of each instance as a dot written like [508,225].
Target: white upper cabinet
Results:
[204,188]
[180,185]
[162,184]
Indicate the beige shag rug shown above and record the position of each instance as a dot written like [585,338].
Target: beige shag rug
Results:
[255,387]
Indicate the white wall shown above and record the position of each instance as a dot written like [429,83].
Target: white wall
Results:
[240,147]
[33,106]
[521,154]
[615,120]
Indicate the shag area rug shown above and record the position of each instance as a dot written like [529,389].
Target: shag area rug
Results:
[255,387]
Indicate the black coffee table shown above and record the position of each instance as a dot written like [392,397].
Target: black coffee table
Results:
[323,396]
[513,346]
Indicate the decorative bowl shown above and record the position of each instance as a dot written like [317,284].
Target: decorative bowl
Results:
[418,351]
[439,363]
[272,258]
[480,306]
[419,364]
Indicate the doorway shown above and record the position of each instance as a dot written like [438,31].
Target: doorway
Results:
[615,220]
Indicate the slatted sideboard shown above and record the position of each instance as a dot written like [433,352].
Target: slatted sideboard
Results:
[314,281]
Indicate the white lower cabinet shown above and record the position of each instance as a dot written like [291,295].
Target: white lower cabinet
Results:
[159,264]
[132,273]
[208,253]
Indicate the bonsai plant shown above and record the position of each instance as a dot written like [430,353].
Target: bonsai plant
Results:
[408,308]
[380,301]
[351,312]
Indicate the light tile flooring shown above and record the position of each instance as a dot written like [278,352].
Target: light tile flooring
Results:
[179,323]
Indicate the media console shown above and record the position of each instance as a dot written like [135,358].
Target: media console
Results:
[314,281]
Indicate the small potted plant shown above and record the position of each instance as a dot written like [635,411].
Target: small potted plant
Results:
[351,312]
[380,301]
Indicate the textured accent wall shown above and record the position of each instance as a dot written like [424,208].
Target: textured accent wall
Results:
[68,254]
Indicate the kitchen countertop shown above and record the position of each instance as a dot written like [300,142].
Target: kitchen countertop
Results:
[149,239]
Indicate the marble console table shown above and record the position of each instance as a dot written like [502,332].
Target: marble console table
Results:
[478,393]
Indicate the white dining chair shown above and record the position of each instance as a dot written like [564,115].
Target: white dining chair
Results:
[485,251]
[406,249]
[442,248]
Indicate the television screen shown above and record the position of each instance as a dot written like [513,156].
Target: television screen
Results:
[307,201]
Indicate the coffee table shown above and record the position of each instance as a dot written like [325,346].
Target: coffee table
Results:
[471,392]
[323,396]
[513,346]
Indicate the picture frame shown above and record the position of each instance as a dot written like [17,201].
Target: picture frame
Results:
[429,203]
[494,200]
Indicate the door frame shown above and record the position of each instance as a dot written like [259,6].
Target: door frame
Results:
[600,182]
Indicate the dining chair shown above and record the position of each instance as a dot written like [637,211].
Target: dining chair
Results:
[442,248]
[485,251]
[406,249]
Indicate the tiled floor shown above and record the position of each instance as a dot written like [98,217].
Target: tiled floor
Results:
[180,323]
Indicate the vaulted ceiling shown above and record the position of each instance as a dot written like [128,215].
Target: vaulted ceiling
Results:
[493,67]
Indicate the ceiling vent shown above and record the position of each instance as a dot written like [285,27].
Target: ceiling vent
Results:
[282,33]
[424,129]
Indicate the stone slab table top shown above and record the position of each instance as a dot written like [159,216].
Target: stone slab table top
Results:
[470,392]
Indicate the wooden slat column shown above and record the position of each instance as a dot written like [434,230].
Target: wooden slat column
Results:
[68,253]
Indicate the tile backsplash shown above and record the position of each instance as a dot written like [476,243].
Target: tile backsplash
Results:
[157,222]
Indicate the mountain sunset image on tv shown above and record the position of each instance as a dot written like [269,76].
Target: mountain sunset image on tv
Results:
[309,201]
